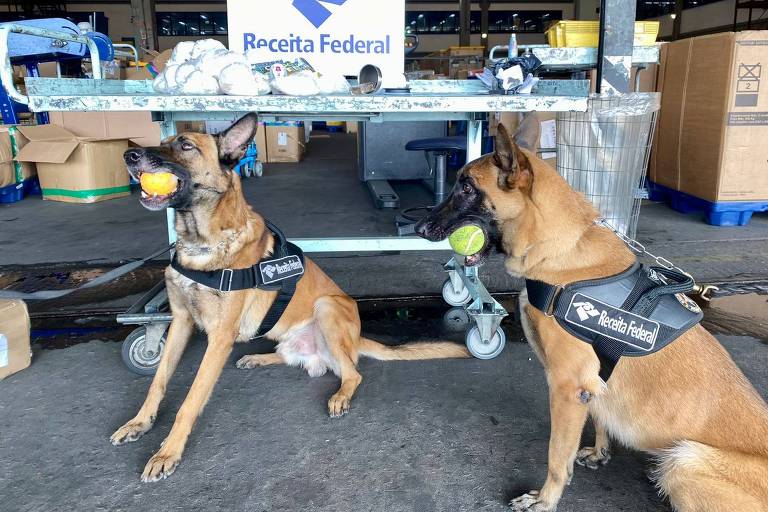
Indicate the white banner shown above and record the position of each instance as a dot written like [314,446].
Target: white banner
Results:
[338,36]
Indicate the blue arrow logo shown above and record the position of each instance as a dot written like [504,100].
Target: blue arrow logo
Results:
[315,11]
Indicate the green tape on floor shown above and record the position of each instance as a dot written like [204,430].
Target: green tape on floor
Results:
[85,194]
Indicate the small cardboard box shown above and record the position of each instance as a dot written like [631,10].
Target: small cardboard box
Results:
[11,171]
[15,352]
[76,169]
[713,124]
[138,127]
[547,139]
[285,142]
[190,126]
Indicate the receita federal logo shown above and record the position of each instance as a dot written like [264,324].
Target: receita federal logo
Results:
[601,318]
[315,11]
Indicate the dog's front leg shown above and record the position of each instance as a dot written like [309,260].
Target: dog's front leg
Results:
[164,462]
[568,417]
[179,333]
[598,455]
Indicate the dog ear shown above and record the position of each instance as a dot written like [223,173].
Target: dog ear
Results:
[234,141]
[528,133]
[514,167]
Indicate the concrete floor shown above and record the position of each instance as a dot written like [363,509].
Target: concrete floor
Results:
[429,436]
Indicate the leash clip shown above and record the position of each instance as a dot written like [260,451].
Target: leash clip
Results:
[705,291]
[225,280]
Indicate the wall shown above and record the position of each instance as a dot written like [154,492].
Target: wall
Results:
[705,18]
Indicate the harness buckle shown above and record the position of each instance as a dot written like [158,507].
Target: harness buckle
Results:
[225,284]
[550,312]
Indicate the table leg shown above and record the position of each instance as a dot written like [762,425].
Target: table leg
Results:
[474,140]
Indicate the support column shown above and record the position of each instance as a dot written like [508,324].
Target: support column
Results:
[464,14]
[484,6]
[614,54]
[145,24]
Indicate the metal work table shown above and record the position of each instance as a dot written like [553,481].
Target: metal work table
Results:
[427,101]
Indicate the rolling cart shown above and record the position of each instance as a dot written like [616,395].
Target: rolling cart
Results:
[431,100]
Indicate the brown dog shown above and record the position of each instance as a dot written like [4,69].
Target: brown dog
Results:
[687,404]
[217,229]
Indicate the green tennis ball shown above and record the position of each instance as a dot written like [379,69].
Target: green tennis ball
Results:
[467,240]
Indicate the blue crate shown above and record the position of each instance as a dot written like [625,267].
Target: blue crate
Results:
[32,187]
[721,213]
[12,193]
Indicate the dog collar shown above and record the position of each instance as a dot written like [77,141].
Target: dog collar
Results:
[634,313]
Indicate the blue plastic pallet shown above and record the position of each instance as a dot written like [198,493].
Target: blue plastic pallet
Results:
[17,191]
[722,213]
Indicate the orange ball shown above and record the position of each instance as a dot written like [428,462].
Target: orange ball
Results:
[159,183]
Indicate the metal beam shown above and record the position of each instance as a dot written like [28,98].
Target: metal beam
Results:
[484,6]
[614,53]
[464,14]
[144,23]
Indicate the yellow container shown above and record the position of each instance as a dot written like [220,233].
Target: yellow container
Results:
[574,34]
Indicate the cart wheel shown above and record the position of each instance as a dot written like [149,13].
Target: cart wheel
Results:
[247,172]
[136,358]
[488,350]
[453,298]
[258,169]
[456,319]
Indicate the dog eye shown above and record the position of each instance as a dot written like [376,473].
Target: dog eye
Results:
[186,146]
[467,188]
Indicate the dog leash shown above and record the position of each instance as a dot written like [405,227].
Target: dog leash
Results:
[704,291]
[102,279]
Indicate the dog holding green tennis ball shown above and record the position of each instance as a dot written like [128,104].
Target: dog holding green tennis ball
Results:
[468,240]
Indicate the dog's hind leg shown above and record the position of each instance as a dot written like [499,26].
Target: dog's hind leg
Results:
[254,360]
[339,324]
[598,455]
[179,333]
[700,478]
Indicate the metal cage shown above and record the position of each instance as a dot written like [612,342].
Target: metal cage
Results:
[604,153]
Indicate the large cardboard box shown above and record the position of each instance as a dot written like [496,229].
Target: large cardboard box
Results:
[11,171]
[15,352]
[285,142]
[138,127]
[76,169]
[713,124]
[547,139]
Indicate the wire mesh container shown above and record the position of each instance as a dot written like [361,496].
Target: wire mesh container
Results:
[604,153]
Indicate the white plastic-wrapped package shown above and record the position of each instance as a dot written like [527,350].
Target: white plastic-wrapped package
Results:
[181,52]
[303,83]
[204,45]
[237,79]
[332,84]
[214,61]
[199,82]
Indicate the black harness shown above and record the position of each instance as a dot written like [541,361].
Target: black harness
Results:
[281,273]
[634,313]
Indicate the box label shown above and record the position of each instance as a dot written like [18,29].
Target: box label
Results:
[3,351]
[747,118]
[282,139]
[748,84]
[334,36]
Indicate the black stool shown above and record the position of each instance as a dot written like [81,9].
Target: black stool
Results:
[441,147]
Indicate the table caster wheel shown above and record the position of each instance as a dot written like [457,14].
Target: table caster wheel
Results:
[135,355]
[247,171]
[258,169]
[456,320]
[451,297]
[487,350]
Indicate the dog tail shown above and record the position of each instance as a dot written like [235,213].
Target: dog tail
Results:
[412,351]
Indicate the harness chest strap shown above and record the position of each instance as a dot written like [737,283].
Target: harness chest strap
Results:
[280,273]
[634,313]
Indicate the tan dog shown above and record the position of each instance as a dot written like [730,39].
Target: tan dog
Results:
[687,404]
[217,229]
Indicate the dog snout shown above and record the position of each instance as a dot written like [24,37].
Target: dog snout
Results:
[133,155]
[427,229]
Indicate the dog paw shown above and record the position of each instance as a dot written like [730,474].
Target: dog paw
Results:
[530,502]
[251,361]
[338,405]
[593,458]
[131,431]
[160,466]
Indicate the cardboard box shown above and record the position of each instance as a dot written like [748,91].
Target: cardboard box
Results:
[15,352]
[76,169]
[547,140]
[190,126]
[215,127]
[713,124]
[136,126]
[285,142]
[11,171]
[352,126]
